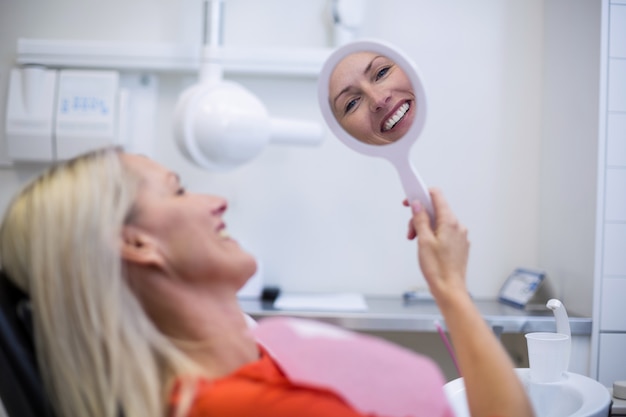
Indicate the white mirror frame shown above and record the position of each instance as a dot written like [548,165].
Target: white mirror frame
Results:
[398,153]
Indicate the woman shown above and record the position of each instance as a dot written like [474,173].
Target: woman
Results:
[133,283]
[372,98]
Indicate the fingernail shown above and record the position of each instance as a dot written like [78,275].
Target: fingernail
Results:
[416,207]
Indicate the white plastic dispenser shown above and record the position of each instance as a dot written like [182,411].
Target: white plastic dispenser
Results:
[86,112]
[30,114]
[549,353]
[560,315]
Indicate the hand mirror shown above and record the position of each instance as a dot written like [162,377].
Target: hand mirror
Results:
[373,100]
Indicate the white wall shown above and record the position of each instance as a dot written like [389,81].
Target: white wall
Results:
[326,219]
[570,148]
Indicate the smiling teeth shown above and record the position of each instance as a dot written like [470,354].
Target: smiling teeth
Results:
[224,234]
[391,122]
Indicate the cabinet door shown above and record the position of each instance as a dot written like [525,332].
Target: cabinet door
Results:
[614,261]
[612,316]
[617,85]
[612,358]
[616,140]
[617,30]
[615,197]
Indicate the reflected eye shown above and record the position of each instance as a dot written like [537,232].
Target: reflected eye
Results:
[383,71]
[351,104]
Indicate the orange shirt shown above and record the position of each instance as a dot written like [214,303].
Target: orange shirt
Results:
[260,389]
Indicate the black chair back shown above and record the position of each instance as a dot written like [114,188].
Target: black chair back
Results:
[21,388]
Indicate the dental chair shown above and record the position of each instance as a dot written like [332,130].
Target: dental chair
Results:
[21,388]
[22,392]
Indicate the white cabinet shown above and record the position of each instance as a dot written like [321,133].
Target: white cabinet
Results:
[615,199]
[617,29]
[617,82]
[612,317]
[615,142]
[610,334]
[612,355]
[614,259]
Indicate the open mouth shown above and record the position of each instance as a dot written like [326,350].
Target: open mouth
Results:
[222,232]
[396,117]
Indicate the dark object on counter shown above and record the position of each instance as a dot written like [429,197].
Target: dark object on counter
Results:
[270,294]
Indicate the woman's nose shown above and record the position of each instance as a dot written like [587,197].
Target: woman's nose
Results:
[218,204]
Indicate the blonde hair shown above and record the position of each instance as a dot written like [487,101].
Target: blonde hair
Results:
[98,352]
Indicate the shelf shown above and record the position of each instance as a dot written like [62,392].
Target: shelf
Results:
[393,314]
[168,57]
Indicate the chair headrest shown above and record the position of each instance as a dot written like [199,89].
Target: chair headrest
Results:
[15,303]
[21,390]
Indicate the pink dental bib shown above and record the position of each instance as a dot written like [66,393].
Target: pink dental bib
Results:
[372,375]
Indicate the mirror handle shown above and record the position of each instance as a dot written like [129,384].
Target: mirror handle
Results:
[414,187]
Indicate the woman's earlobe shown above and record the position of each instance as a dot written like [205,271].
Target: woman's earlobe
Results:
[138,247]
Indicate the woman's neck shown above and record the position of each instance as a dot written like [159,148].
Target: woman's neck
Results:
[215,334]
[206,323]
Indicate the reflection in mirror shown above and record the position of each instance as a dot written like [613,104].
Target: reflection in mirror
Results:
[372,97]
[371,94]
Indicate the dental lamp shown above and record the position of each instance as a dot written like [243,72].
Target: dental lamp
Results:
[218,124]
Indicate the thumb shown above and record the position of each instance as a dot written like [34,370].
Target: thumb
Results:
[421,220]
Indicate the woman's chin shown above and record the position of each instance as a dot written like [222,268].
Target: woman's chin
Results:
[248,269]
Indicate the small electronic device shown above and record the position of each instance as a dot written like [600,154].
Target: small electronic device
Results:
[524,288]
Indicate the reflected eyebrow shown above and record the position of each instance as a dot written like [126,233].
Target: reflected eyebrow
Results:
[368,67]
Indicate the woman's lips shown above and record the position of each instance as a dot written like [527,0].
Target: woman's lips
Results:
[397,115]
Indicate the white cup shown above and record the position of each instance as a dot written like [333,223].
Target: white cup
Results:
[548,356]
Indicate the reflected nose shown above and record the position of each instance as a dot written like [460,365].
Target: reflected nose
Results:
[379,99]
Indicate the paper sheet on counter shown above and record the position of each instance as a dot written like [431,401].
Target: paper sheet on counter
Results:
[321,302]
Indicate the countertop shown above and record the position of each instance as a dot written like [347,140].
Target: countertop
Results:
[387,313]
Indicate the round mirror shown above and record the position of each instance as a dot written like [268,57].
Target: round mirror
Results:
[373,100]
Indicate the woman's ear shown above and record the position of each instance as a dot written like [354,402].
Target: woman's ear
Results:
[138,247]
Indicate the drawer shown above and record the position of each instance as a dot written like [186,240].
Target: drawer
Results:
[617,31]
[612,358]
[613,307]
[616,140]
[617,85]
[614,259]
[615,197]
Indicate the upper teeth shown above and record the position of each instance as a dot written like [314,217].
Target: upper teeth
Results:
[391,122]
[224,234]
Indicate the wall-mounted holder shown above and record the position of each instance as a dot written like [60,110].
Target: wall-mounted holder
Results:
[55,114]
[163,57]
[30,113]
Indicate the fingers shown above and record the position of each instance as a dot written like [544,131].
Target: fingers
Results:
[411,233]
[446,219]
[442,210]
[421,220]
[443,214]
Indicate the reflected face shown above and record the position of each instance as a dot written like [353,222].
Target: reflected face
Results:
[372,98]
